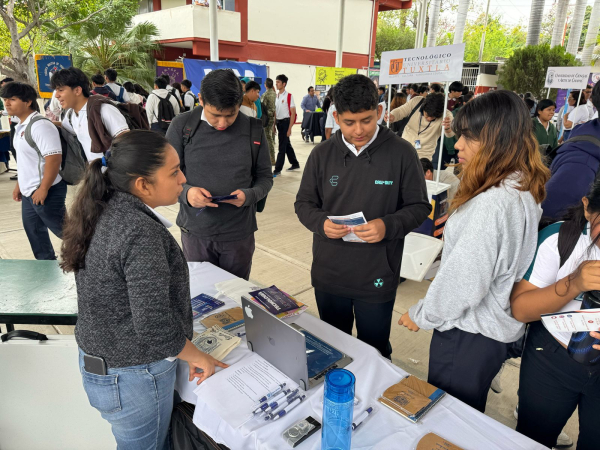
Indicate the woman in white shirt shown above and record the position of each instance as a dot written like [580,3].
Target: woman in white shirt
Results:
[578,115]
[552,384]
[133,97]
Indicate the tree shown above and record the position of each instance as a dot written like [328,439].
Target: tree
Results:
[525,70]
[96,47]
[500,40]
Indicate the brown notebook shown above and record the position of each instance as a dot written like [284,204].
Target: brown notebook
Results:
[432,441]
[225,319]
[411,397]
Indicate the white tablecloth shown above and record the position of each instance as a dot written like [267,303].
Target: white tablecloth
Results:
[450,418]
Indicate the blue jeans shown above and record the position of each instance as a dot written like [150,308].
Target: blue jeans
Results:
[137,401]
[37,219]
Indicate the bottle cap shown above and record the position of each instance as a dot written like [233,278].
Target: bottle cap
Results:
[339,386]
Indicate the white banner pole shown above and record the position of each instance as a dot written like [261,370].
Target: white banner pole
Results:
[437,178]
[388,109]
[548,96]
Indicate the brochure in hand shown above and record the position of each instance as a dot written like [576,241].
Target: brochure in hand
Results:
[203,304]
[277,302]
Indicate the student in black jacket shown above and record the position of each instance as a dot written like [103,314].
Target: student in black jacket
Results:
[363,167]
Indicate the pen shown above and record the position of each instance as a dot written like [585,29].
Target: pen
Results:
[271,394]
[291,406]
[265,405]
[361,418]
[275,403]
[281,404]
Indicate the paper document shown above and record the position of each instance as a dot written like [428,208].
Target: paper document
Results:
[351,220]
[572,321]
[232,393]
[234,289]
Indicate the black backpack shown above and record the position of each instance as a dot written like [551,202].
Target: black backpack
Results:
[401,124]
[185,108]
[166,113]
[187,436]
[256,131]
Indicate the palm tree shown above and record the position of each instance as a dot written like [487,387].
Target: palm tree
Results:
[535,22]
[592,34]
[434,15]
[559,23]
[576,27]
[95,48]
[461,20]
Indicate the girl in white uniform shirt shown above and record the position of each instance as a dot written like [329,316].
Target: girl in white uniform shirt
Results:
[552,384]
[580,113]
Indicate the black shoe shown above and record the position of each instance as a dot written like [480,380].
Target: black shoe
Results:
[276,173]
[293,168]
[14,178]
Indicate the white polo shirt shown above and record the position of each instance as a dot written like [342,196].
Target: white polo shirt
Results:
[331,123]
[112,119]
[579,115]
[281,106]
[31,168]
[116,89]
[545,269]
[188,99]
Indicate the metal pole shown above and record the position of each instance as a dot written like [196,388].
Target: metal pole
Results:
[214,32]
[423,23]
[389,111]
[579,99]
[487,10]
[548,96]
[437,178]
[340,41]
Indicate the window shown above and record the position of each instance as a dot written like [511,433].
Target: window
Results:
[229,5]
[146,6]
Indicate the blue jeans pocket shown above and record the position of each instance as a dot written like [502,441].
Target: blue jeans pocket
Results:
[102,391]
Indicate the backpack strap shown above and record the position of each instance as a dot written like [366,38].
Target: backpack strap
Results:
[583,138]
[120,98]
[32,143]
[413,111]
[191,125]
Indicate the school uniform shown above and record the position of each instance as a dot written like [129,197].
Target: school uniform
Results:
[37,219]
[119,90]
[189,100]
[78,124]
[283,105]
[551,383]
[152,107]
[353,280]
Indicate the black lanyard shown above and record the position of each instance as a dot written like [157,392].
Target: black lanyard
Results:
[428,125]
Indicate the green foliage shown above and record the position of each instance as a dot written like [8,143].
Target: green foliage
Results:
[525,70]
[97,46]
[500,40]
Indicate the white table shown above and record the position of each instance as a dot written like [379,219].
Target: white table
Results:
[450,418]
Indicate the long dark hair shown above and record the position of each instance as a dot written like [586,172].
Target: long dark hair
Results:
[140,90]
[575,222]
[500,122]
[137,153]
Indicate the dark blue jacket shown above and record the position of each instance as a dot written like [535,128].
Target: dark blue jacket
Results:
[573,171]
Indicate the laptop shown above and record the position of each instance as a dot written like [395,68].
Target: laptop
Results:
[298,353]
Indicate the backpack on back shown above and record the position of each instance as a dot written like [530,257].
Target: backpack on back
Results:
[165,111]
[256,131]
[74,161]
[549,157]
[121,94]
[185,108]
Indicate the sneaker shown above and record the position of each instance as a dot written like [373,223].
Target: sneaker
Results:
[563,441]
[293,168]
[496,382]
[14,178]
[276,172]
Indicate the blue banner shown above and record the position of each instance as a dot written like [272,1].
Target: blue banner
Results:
[45,67]
[196,69]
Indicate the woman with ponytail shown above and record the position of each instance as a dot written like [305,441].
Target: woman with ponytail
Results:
[489,242]
[133,289]
[552,384]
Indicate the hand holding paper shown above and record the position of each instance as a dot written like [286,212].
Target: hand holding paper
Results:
[372,232]
[199,197]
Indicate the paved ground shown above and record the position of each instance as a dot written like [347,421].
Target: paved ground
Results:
[283,257]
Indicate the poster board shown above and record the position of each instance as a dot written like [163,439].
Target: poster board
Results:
[331,75]
[45,67]
[567,77]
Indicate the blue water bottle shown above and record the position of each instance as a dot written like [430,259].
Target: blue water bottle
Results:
[580,346]
[338,409]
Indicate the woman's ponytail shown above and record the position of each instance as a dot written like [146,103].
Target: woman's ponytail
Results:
[80,223]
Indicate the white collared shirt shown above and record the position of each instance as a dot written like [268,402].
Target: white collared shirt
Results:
[546,127]
[166,222]
[203,117]
[31,167]
[282,111]
[112,119]
[117,89]
[353,149]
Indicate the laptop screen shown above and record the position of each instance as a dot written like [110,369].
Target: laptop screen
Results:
[319,355]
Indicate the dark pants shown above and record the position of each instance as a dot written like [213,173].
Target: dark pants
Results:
[551,386]
[158,128]
[285,147]
[13,127]
[464,364]
[373,320]
[37,219]
[233,256]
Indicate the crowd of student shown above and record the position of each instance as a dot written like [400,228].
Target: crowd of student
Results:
[497,273]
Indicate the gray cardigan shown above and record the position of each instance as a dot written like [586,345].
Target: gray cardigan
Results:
[489,243]
[134,293]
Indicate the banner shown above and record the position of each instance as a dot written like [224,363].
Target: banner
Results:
[331,75]
[175,70]
[567,77]
[45,67]
[422,65]
[373,74]
[196,69]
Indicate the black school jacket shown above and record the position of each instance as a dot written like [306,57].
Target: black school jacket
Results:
[385,181]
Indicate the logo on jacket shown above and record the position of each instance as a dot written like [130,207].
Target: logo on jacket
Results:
[378,283]
[334,180]
[384,182]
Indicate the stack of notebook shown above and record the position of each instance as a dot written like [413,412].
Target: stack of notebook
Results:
[412,398]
